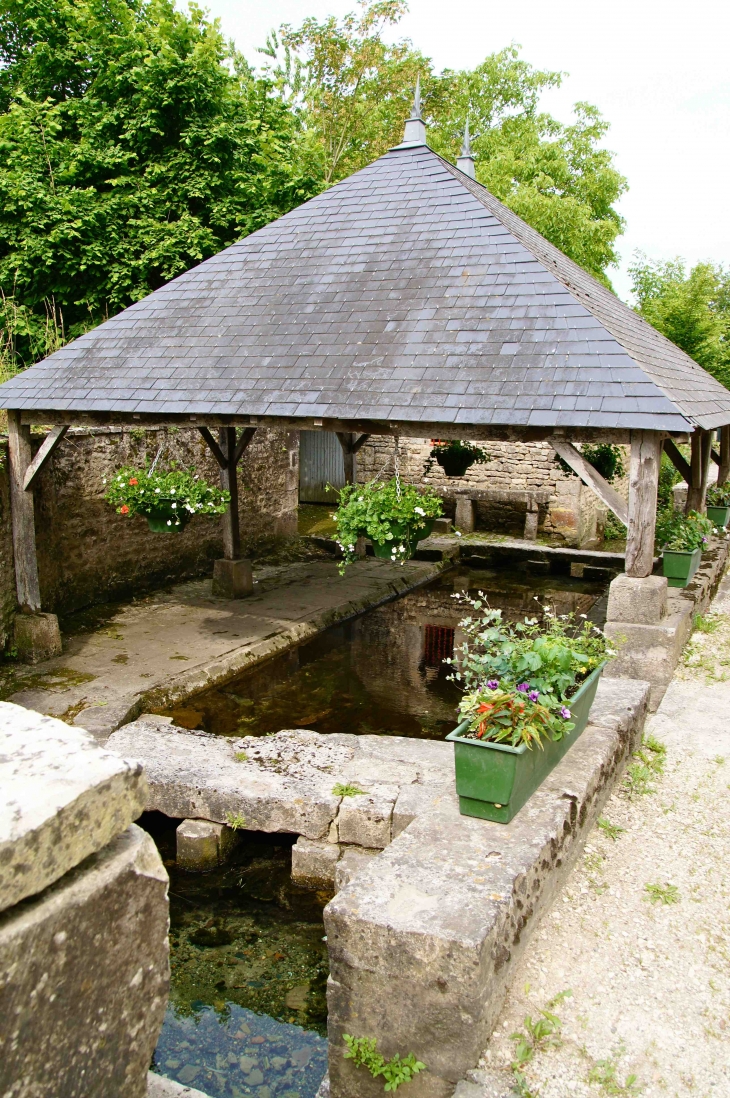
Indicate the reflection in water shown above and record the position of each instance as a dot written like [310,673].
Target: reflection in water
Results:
[380,673]
[247,1012]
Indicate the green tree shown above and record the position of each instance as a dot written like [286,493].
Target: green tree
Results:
[355,90]
[135,142]
[690,308]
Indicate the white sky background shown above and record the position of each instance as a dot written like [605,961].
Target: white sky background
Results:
[658,70]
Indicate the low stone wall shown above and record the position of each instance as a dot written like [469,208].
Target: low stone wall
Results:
[89,554]
[573,513]
[433,908]
[84,967]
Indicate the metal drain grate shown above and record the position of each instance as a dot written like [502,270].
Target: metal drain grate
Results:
[438,645]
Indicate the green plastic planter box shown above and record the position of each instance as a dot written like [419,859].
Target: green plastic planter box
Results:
[680,566]
[719,515]
[494,780]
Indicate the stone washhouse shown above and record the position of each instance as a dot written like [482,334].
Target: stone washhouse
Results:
[405,301]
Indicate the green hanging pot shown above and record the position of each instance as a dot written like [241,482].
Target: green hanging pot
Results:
[406,536]
[165,520]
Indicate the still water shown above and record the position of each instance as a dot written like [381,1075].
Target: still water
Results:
[382,672]
[247,1013]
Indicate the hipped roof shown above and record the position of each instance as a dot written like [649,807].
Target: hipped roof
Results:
[406,293]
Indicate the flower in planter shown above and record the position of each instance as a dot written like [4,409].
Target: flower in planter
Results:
[454,456]
[394,516]
[683,533]
[163,496]
[513,718]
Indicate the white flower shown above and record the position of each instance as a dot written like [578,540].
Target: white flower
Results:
[172,491]
[351,548]
[584,615]
[103,480]
[458,534]
[169,523]
[157,490]
[419,511]
[174,506]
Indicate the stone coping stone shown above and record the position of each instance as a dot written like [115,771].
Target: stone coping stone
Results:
[84,977]
[284,782]
[423,939]
[63,798]
[160,1087]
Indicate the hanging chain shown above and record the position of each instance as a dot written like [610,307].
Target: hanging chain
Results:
[397,469]
[158,455]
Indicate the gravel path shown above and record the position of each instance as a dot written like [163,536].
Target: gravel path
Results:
[641,933]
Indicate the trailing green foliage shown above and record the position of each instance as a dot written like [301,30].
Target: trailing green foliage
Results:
[178,494]
[388,512]
[690,308]
[683,533]
[135,142]
[363,1053]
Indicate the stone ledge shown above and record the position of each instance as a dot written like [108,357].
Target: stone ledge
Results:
[440,917]
[160,1087]
[64,798]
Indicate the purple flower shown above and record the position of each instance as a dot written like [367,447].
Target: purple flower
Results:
[493,684]
[533,695]
[524,687]
[564,712]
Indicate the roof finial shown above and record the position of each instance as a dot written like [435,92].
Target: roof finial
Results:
[465,162]
[415,132]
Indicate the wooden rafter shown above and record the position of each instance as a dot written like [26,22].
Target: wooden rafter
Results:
[592,478]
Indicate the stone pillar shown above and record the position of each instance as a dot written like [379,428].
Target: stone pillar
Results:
[203,845]
[464,520]
[531,517]
[84,967]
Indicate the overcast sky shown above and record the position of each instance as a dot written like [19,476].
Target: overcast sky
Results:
[659,71]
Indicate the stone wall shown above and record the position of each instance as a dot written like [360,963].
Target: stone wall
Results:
[89,554]
[573,515]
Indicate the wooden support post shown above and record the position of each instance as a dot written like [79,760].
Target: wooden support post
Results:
[229,482]
[21,505]
[724,471]
[350,444]
[701,442]
[646,454]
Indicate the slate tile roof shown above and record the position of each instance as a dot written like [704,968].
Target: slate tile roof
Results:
[406,292]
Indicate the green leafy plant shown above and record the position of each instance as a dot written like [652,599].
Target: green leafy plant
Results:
[606,458]
[540,1033]
[706,624]
[683,533]
[662,894]
[347,790]
[174,495]
[389,512]
[604,1072]
[648,765]
[514,717]
[363,1053]
[718,495]
[235,820]
[610,829]
[552,657]
[613,529]
[454,453]
[241,756]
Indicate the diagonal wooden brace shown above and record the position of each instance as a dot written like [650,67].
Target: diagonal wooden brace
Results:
[590,476]
[50,443]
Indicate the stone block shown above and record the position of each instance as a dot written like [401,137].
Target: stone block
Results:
[314,863]
[530,531]
[203,845]
[442,527]
[576,569]
[37,637]
[160,1087]
[448,908]
[417,800]
[651,652]
[64,797]
[354,859]
[366,819]
[232,579]
[637,601]
[464,520]
[84,975]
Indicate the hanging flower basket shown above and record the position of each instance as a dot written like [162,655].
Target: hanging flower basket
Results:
[393,515]
[167,500]
[455,457]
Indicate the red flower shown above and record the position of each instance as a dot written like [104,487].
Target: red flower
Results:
[124,510]
[133,480]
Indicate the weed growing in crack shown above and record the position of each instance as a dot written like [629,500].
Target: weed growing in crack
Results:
[235,820]
[707,624]
[610,829]
[604,1072]
[662,894]
[649,766]
[347,790]
[539,1033]
[241,756]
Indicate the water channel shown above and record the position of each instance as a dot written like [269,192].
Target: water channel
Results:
[247,1011]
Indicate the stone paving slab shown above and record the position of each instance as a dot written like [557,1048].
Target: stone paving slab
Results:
[163,649]
[62,798]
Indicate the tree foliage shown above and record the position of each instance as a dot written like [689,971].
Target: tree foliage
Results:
[692,308]
[134,143]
